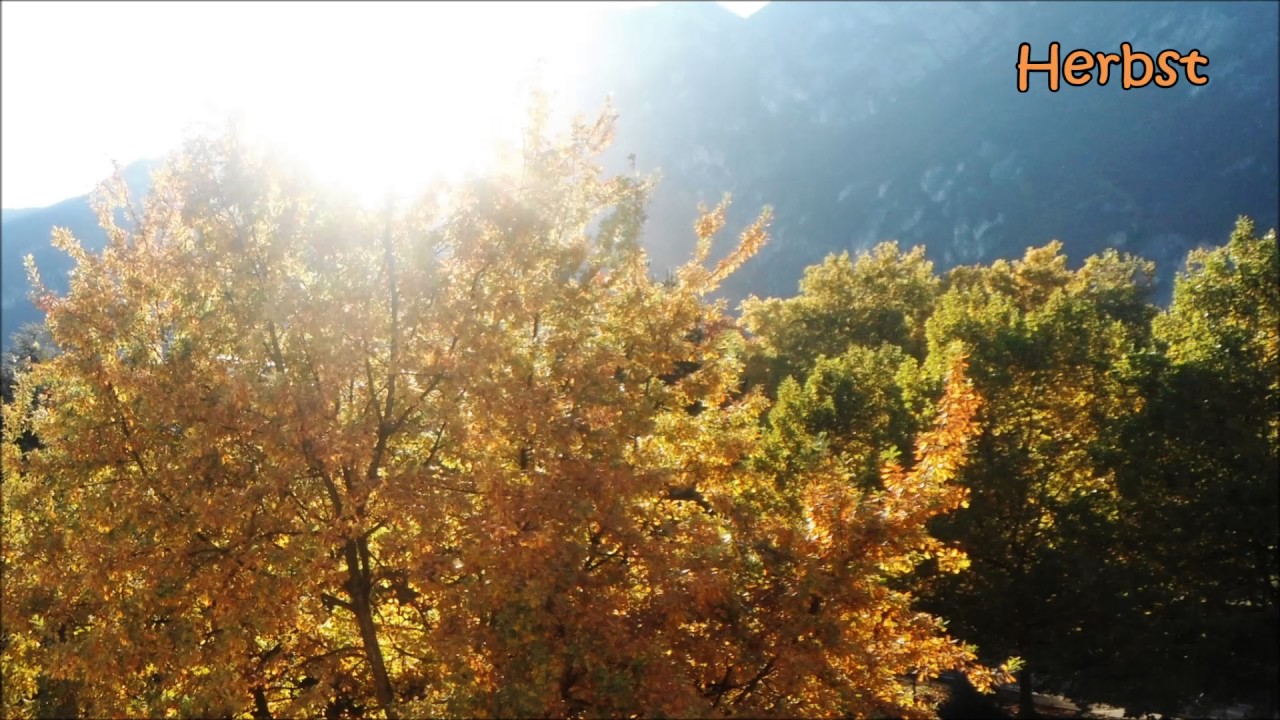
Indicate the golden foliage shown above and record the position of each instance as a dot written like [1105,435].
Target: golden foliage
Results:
[460,458]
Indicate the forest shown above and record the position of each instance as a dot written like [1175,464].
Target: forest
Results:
[275,454]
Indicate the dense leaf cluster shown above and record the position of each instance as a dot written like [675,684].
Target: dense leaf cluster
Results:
[1122,524]
[461,457]
[465,456]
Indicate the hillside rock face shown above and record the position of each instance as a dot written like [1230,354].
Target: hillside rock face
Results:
[863,122]
[29,231]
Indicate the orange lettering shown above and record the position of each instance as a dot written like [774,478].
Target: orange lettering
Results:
[1105,61]
[1130,56]
[1191,60]
[1168,77]
[1077,66]
[1026,67]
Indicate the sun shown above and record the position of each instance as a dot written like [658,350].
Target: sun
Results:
[376,96]
[383,98]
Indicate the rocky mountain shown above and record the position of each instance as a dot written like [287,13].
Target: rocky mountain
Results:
[8,214]
[861,122]
[28,231]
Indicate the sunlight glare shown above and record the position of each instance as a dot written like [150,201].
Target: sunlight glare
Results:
[382,98]
[377,96]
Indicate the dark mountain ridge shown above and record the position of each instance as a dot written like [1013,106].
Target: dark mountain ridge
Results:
[864,122]
[29,231]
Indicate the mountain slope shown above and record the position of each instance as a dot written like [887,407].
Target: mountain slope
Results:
[28,231]
[862,122]
[8,214]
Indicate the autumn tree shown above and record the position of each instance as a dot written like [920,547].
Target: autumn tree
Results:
[461,456]
[1046,344]
[31,344]
[855,406]
[842,360]
[1197,468]
[881,296]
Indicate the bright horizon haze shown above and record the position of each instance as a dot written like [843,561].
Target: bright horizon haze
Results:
[338,84]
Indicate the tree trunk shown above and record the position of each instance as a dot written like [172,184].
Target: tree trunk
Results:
[261,711]
[359,589]
[1026,704]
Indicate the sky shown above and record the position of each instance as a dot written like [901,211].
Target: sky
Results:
[356,88]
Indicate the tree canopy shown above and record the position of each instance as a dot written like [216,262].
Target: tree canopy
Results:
[275,454]
[1121,528]
[461,456]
